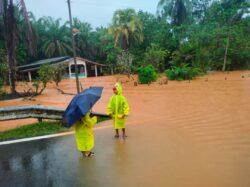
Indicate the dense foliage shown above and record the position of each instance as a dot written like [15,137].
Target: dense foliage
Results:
[58,73]
[182,73]
[147,74]
[208,35]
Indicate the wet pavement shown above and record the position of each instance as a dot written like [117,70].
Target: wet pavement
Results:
[154,157]
[188,134]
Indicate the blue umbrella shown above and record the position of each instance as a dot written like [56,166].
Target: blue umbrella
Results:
[81,104]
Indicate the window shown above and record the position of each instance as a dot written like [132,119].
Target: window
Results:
[80,67]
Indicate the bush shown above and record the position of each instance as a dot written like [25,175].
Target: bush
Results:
[45,73]
[147,74]
[182,73]
[155,55]
[58,72]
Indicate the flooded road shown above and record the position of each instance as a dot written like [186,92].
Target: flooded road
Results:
[188,134]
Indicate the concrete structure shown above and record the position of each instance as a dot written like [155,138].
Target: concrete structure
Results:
[35,111]
[86,68]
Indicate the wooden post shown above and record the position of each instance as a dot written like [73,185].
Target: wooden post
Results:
[85,67]
[96,70]
[29,74]
[39,120]
[73,47]
[225,55]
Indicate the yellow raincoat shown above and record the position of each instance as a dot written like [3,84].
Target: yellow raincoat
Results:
[84,133]
[118,108]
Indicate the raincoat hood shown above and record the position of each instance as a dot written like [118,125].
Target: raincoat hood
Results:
[118,88]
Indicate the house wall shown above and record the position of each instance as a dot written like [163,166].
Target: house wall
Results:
[85,69]
[81,66]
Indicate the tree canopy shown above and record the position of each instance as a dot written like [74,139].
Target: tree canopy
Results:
[208,35]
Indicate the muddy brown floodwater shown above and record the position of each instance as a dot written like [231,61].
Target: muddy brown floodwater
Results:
[184,133]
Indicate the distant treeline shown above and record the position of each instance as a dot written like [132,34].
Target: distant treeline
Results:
[209,35]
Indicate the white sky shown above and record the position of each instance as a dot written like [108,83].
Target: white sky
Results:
[95,12]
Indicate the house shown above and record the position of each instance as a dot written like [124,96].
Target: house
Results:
[86,68]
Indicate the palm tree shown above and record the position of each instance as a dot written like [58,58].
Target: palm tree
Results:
[83,37]
[126,26]
[11,40]
[29,34]
[2,9]
[55,39]
[176,11]
[7,10]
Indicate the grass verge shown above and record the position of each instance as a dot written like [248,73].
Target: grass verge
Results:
[37,129]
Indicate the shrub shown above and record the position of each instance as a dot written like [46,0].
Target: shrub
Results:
[58,72]
[147,74]
[155,55]
[45,73]
[182,73]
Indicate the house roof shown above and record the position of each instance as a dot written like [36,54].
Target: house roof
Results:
[89,61]
[58,60]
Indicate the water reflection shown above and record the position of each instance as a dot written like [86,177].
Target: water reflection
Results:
[39,163]
[26,162]
[6,166]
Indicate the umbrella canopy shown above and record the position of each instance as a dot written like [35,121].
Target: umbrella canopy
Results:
[81,104]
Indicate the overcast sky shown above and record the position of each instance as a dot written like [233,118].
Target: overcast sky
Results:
[95,12]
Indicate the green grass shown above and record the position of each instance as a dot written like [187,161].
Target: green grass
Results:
[37,129]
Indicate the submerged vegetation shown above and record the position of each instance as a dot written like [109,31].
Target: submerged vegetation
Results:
[182,73]
[147,75]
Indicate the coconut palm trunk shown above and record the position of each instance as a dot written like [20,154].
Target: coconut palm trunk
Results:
[11,37]
[30,36]
[124,43]
[11,43]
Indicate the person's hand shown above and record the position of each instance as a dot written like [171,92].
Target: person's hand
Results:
[121,116]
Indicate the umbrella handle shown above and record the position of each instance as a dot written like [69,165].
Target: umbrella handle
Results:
[90,106]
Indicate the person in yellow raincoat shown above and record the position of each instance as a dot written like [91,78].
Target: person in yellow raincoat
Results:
[118,109]
[84,134]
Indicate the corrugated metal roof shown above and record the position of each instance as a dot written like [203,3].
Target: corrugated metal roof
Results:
[35,65]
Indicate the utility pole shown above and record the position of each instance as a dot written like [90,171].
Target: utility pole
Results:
[74,47]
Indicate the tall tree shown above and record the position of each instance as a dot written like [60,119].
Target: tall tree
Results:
[237,9]
[56,41]
[29,34]
[82,38]
[125,27]
[175,11]
[199,9]
[11,41]
[11,36]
